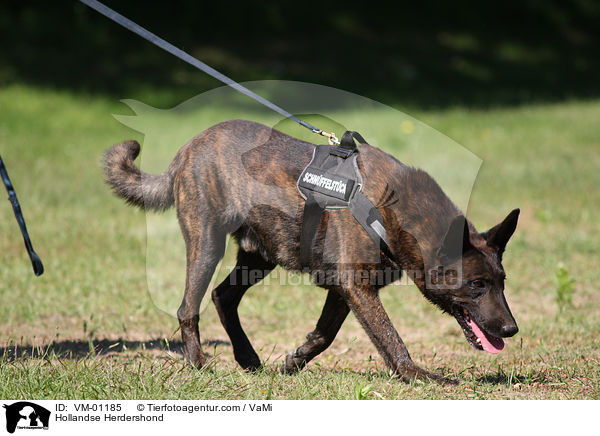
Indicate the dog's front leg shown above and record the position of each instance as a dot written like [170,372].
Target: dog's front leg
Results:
[369,311]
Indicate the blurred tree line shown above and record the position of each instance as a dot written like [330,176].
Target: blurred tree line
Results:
[426,54]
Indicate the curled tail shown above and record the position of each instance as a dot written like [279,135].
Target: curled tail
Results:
[150,191]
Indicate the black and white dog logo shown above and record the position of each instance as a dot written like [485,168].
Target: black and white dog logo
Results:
[26,415]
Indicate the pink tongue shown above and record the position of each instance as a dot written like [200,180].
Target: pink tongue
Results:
[490,343]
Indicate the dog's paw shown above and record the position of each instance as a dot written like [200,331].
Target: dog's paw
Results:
[449,381]
[438,378]
[250,364]
[416,373]
[292,363]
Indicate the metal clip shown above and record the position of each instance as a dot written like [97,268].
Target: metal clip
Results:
[331,138]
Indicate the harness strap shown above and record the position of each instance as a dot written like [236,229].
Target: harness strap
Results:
[348,140]
[371,220]
[311,219]
[318,199]
[363,212]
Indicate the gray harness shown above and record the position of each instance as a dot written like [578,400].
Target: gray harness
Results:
[332,180]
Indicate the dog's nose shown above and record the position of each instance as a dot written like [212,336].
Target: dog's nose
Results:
[509,330]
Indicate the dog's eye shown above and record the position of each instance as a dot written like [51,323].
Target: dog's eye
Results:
[477,284]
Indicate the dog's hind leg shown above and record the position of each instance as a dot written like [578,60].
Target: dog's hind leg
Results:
[205,247]
[251,268]
[332,317]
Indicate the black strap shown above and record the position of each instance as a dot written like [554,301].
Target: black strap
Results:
[38,268]
[371,220]
[363,212]
[347,145]
[362,209]
[348,138]
[159,42]
[311,220]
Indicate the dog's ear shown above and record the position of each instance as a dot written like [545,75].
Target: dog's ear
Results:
[456,241]
[498,236]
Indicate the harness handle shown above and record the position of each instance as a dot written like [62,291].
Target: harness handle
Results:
[348,138]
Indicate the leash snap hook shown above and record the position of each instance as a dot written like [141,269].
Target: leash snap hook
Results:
[331,138]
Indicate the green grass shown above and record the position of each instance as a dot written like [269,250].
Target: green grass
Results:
[92,325]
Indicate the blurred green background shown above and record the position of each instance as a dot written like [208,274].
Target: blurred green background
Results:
[424,54]
[515,83]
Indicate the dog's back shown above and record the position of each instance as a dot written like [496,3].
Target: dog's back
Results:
[243,175]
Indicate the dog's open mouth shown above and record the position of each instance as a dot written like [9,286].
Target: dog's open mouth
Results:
[477,336]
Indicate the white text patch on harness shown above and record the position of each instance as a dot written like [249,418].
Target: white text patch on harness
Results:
[326,183]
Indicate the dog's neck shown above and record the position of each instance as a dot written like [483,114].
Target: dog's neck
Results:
[418,219]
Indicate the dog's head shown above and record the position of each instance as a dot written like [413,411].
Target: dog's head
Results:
[476,297]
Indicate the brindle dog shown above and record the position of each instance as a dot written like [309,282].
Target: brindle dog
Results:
[239,178]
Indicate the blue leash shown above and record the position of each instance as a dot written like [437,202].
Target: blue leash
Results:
[36,262]
[159,42]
